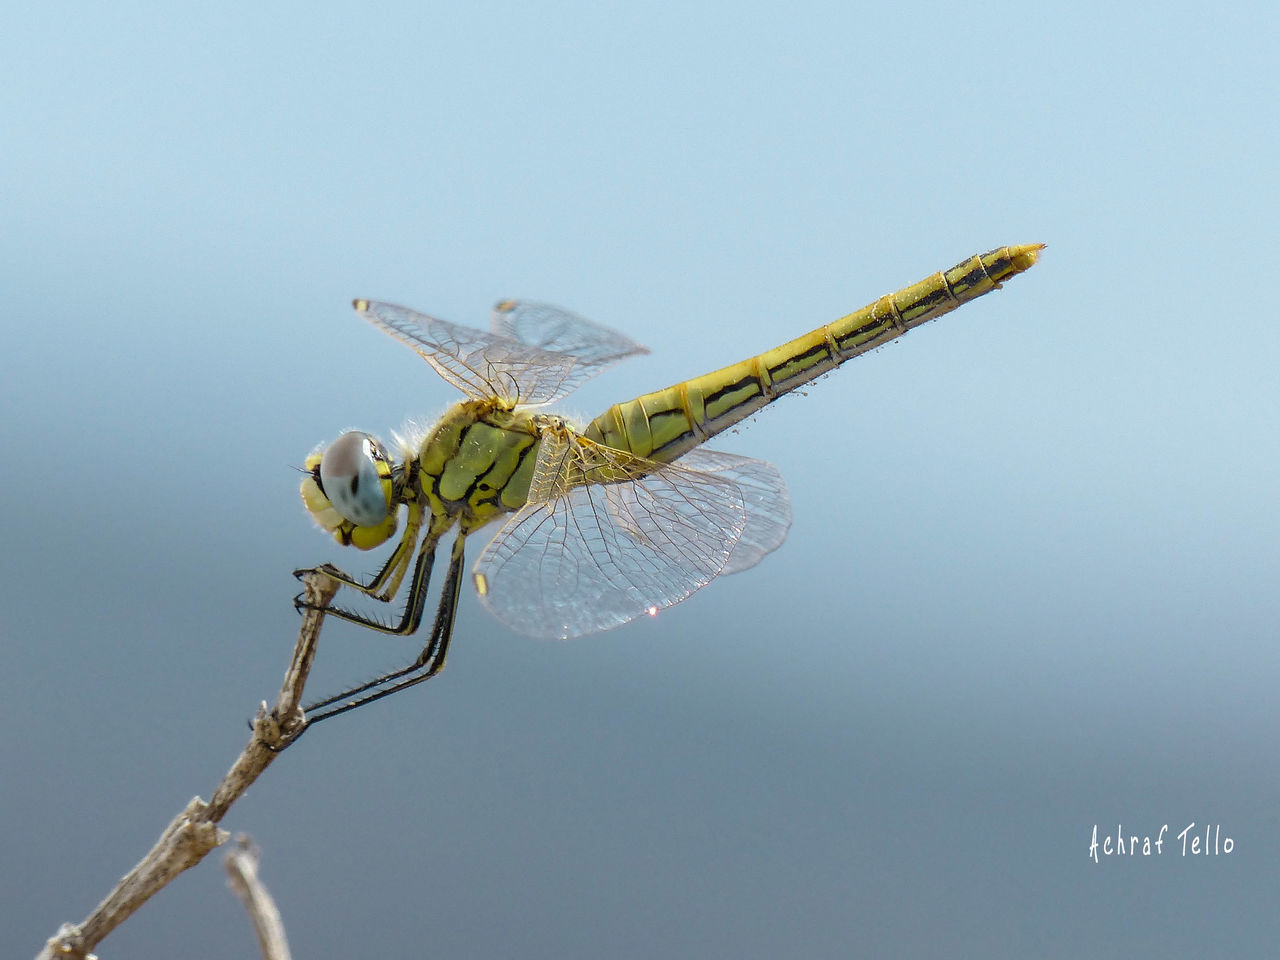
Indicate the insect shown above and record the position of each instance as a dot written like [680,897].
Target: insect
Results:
[599,525]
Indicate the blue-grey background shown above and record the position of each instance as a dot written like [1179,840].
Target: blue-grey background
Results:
[1031,584]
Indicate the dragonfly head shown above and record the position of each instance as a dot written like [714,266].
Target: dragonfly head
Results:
[349,490]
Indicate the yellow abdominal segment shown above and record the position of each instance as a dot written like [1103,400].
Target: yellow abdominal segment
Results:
[667,423]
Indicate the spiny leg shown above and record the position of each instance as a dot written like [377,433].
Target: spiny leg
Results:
[415,604]
[427,665]
[392,572]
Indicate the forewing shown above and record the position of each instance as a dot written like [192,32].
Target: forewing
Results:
[593,347]
[581,558]
[479,364]
[764,497]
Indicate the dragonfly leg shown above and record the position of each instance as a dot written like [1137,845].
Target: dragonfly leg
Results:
[414,607]
[387,581]
[428,663]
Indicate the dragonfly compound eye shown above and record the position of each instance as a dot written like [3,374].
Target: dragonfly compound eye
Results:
[355,473]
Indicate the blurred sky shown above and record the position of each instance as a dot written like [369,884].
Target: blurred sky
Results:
[1030,588]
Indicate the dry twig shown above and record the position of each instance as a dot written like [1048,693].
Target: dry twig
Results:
[194,832]
[242,874]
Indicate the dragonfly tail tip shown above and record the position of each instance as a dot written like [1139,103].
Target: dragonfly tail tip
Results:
[1025,256]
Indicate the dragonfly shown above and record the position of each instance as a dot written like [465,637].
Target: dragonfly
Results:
[601,524]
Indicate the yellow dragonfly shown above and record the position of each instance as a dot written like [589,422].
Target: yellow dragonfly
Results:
[600,525]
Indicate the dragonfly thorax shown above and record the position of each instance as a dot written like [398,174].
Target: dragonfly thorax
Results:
[476,463]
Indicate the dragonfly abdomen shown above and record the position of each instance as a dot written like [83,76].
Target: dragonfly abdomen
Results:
[665,424]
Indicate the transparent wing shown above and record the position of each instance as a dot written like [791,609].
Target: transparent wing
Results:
[605,537]
[525,360]
[764,497]
[541,325]
[479,364]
